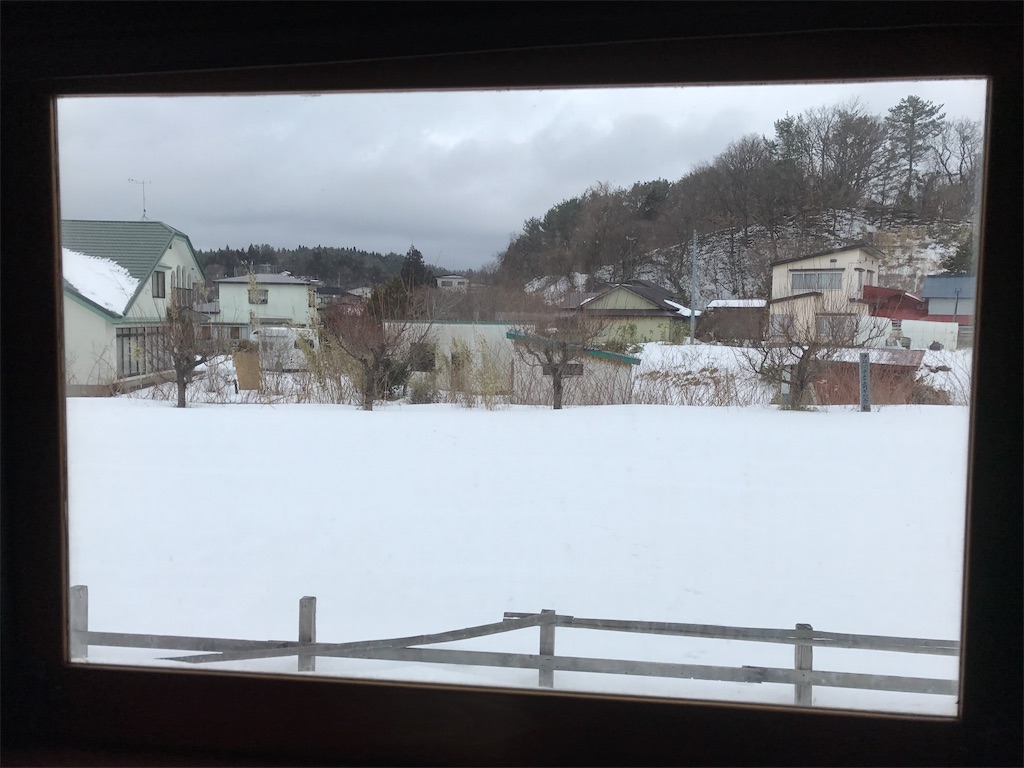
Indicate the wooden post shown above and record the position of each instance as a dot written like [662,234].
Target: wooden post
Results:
[865,382]
[78,623]
[547,650]
[307,632]
[804,655]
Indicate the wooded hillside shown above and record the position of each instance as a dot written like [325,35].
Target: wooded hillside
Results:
[905,181]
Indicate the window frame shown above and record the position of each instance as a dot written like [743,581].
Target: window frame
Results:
[817,273]
[292,719]
[827,325]
[780,324]
[423,356]
[261,295]
[159,281]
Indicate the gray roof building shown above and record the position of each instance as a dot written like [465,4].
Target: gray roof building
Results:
[948,287]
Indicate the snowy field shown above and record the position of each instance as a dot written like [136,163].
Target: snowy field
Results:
[411,519]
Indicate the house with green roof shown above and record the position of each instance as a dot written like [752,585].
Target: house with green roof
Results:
[119,277]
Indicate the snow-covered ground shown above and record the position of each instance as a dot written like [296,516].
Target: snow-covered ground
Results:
[411,519]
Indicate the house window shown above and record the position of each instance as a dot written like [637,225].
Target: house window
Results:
[871,277]
[184,297]
[257,295]
[816,280]
[159,285]
[422,356]
[141,349]
[837,327]
[235,332]
[780,325]
[446,283]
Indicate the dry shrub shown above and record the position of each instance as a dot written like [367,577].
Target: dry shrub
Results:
[695,377]
[926,394]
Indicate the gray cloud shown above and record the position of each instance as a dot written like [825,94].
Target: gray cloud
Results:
[455,173]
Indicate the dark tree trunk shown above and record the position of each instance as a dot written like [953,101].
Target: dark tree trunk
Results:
[556,386]
[181,390]
[801,381]
[370,384]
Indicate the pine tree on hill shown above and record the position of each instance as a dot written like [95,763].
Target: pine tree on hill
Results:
[912,125]
[415,272]
[960,262]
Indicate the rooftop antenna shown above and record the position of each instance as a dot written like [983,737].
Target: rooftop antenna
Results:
[143,183]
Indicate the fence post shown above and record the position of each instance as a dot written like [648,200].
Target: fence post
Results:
[546,676]
[307,632]
[78,623]
[804,654]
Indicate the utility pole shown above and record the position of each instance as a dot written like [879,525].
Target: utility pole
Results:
[629,261]
[693,283]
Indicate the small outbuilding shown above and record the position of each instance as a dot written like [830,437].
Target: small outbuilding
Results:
[893,376]
[733,320]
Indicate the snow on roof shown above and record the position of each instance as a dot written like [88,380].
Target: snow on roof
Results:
[680,309]
[102,281]
[736,303]
[268,279]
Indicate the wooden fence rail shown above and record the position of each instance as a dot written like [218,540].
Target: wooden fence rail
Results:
[801,676]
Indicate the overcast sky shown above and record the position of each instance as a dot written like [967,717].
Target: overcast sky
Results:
[453,173]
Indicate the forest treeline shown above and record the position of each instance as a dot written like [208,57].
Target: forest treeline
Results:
[763,198]
[344,267]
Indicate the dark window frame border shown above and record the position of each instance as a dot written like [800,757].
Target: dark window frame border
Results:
[49,702]
[159,284]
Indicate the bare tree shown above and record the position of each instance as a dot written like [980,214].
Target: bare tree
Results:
[183,349]
[805,334]
[555,343]
[378,344]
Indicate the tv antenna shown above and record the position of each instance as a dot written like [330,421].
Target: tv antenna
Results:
[143,183]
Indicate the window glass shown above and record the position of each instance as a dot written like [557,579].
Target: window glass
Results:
[511,484]
[159,285]
[828,280]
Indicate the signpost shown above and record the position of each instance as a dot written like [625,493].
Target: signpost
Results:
[865,382]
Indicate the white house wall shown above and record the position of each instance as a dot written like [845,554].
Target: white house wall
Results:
[923,332]
[603,382]
[288,302]
[962,308]
[89,356]
[146,307]
[481,339]
[848,261]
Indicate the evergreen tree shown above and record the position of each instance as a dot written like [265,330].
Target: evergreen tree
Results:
[414,270]
[912,126]
[389,301]
[960,262]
